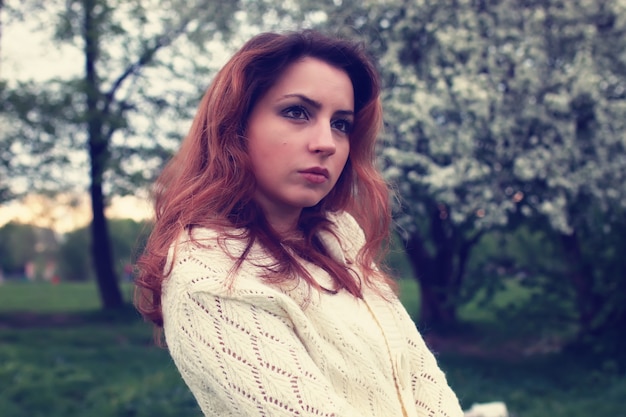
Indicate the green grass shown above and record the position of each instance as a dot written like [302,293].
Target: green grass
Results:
[97,369]
[409,293]
[61,357]
[43,297]
[556,385]
[538,385]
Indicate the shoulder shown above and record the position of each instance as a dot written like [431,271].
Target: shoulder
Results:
[202,246]
[206,269]
[344,221]
[205,259]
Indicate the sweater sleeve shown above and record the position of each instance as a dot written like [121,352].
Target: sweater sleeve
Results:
[241,355]
[432,394]
[431,390]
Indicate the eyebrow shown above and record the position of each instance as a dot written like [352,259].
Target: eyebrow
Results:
[316,104]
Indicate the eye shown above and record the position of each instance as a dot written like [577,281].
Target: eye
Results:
[296,112]
[342,125]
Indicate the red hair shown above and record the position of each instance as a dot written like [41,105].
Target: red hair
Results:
[209,182]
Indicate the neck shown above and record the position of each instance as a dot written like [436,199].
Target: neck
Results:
[283,219]
[283,224]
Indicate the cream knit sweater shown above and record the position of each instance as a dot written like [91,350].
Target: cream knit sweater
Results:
[258,350]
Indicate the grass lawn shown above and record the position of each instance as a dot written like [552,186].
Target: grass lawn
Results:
[61,357]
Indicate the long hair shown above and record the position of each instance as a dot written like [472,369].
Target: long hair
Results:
[210,183]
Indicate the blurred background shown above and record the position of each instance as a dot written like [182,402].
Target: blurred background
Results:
[505,140]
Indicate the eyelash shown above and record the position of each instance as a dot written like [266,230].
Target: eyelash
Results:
[347,123]
[288,112]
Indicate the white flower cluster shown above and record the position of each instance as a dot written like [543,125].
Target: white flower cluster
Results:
[505,115]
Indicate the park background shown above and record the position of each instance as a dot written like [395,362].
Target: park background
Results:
[505,137]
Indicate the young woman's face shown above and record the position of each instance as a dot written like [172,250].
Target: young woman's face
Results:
[298,137]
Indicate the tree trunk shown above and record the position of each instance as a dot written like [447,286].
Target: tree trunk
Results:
[110,293]
[441,273]
[581,276]
[434,276]
[436,310]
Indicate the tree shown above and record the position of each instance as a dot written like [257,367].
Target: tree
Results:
[120,43]
[127,237]
[404,38]
[498,113]
[22,244]
[17,247]
[505,112]
[74,256]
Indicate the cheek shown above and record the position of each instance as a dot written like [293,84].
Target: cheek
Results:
[259,159]
[258,147]
[344,154]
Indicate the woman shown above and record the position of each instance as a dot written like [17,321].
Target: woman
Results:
[261,267]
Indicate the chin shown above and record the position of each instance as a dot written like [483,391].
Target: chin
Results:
[310,202]
[309,205]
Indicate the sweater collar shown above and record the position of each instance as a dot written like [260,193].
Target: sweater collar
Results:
[332,245]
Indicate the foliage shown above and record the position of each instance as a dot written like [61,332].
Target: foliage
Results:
[24,243]
[498,113]
[17,246]
[128,238]
[494,108]
[536,260]
[604,296]
[529,264]
[74,259]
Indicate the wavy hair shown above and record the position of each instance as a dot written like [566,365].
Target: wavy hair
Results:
[210,183]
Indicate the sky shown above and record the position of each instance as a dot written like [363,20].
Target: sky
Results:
[27,53]
[63,217]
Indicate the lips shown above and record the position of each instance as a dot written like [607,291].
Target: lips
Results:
[317,171]
[315,175]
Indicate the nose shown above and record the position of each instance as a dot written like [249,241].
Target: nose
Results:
[323,141]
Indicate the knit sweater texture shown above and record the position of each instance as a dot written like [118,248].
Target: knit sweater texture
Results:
[248,348]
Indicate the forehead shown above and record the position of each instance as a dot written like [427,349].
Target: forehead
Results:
[317,80]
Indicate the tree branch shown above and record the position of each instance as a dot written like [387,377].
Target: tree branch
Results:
[145,58]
